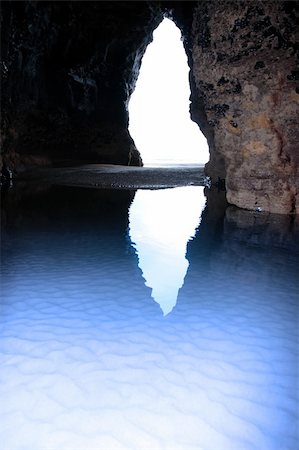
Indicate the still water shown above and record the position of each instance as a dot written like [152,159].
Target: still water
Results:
[146,320]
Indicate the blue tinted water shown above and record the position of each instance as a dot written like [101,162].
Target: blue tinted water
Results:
[144,321]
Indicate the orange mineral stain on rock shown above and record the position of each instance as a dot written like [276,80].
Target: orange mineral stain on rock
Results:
[259,121]
[294,97]
[253,148]
[231,126]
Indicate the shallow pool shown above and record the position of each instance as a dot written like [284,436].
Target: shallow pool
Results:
[145,320]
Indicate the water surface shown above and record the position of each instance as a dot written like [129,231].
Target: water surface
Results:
[90,360]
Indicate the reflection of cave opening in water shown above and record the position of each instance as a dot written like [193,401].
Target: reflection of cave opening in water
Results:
[89,362]
[160,121]
[161,224]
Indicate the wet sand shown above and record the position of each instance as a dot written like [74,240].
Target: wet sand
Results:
[117,176]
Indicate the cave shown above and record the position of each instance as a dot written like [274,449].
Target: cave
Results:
[69,69]
[148,307]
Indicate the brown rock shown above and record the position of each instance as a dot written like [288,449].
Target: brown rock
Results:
[240,50]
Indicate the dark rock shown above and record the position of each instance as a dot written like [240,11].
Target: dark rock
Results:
[259,65]
[294,75]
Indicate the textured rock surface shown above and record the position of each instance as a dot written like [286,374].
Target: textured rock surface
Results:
[69,69]
[244,56]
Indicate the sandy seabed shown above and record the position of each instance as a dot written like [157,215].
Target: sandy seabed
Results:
[89,361]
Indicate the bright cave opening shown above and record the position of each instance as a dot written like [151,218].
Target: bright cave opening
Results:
[159,117]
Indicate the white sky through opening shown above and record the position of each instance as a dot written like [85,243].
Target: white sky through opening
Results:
[159,118]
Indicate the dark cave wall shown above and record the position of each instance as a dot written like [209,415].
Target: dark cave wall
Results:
[68,69]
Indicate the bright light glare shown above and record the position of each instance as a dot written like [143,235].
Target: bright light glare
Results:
[160,121]
[161,224]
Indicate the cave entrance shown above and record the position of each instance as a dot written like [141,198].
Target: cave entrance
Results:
[159,117]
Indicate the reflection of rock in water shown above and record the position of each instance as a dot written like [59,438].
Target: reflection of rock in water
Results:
[59,221]
[262,229]
[237,247]
[35,205]
[241,291]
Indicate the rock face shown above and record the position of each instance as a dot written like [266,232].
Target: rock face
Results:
[68,71]
[243,56]
[69,68]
